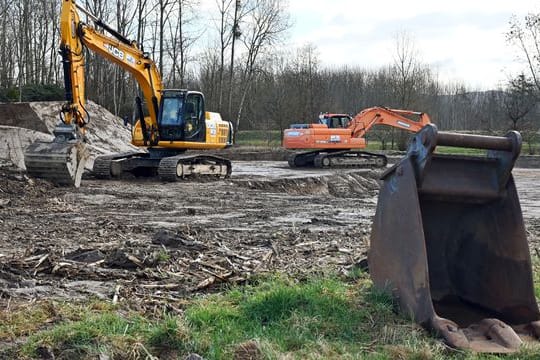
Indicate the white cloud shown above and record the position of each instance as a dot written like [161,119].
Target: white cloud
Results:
[464,39]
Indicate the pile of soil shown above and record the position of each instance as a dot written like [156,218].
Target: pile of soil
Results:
[23,123]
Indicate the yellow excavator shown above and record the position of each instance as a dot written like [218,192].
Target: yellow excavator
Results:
[176,121]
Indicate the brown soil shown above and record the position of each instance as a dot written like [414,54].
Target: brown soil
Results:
[161,242]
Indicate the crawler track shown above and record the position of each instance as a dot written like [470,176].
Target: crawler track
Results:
[338,159]
[177,167]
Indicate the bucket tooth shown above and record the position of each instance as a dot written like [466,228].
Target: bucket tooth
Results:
[448,241]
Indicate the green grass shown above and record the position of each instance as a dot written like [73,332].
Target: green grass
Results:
[276,317]
[291,317]
[258,138]
[536,275]
[83,331]
[272,138]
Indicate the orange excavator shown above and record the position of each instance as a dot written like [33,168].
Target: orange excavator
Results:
[336,140]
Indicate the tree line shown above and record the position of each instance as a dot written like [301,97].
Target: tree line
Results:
[233,52]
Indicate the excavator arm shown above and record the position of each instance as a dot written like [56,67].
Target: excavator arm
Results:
[63,160]
[75,35]
[177,118]
[400,119]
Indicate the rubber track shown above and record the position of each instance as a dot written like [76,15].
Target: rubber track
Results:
[362,160]
[167,168]
[295,160]
[303,159]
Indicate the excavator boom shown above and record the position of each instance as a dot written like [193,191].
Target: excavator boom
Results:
[63,160]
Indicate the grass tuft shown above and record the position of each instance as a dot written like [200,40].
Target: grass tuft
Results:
[170,333]
[294,317]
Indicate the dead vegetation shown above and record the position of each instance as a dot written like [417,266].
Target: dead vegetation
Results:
[159,243]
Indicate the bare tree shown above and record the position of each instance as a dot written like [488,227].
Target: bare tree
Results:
[267,22]
[98,70]
[406,69]
[8,57]
[181,40]
[526,36]
[22,11]
[304,85]
[208,77]
[408,75]
[520,102]
[275,105]
[141,12]
[124,25]
[225,37]
[164,10]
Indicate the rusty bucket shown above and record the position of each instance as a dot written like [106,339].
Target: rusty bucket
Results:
[449,243]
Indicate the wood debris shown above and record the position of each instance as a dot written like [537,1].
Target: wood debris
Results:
[126,243]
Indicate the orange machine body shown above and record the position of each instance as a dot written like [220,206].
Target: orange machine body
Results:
[341,131]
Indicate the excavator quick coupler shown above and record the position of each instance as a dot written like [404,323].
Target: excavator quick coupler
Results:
[448,242]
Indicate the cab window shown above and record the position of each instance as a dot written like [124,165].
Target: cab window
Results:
[194,107]
[172,108]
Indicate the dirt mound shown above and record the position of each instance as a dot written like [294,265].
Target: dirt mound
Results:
[22,116]
[352,184]
[21,124]
[300,186]
[106,133]
[13,141]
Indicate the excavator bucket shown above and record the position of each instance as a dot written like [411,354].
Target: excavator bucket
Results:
[448,242]
[60,161]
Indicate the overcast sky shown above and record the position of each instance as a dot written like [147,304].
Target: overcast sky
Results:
[461,39]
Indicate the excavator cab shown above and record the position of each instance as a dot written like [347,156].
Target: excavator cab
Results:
[449,243]
[335,121]
[181,116]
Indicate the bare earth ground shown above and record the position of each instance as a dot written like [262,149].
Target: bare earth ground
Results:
[160,242]
[144,243]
